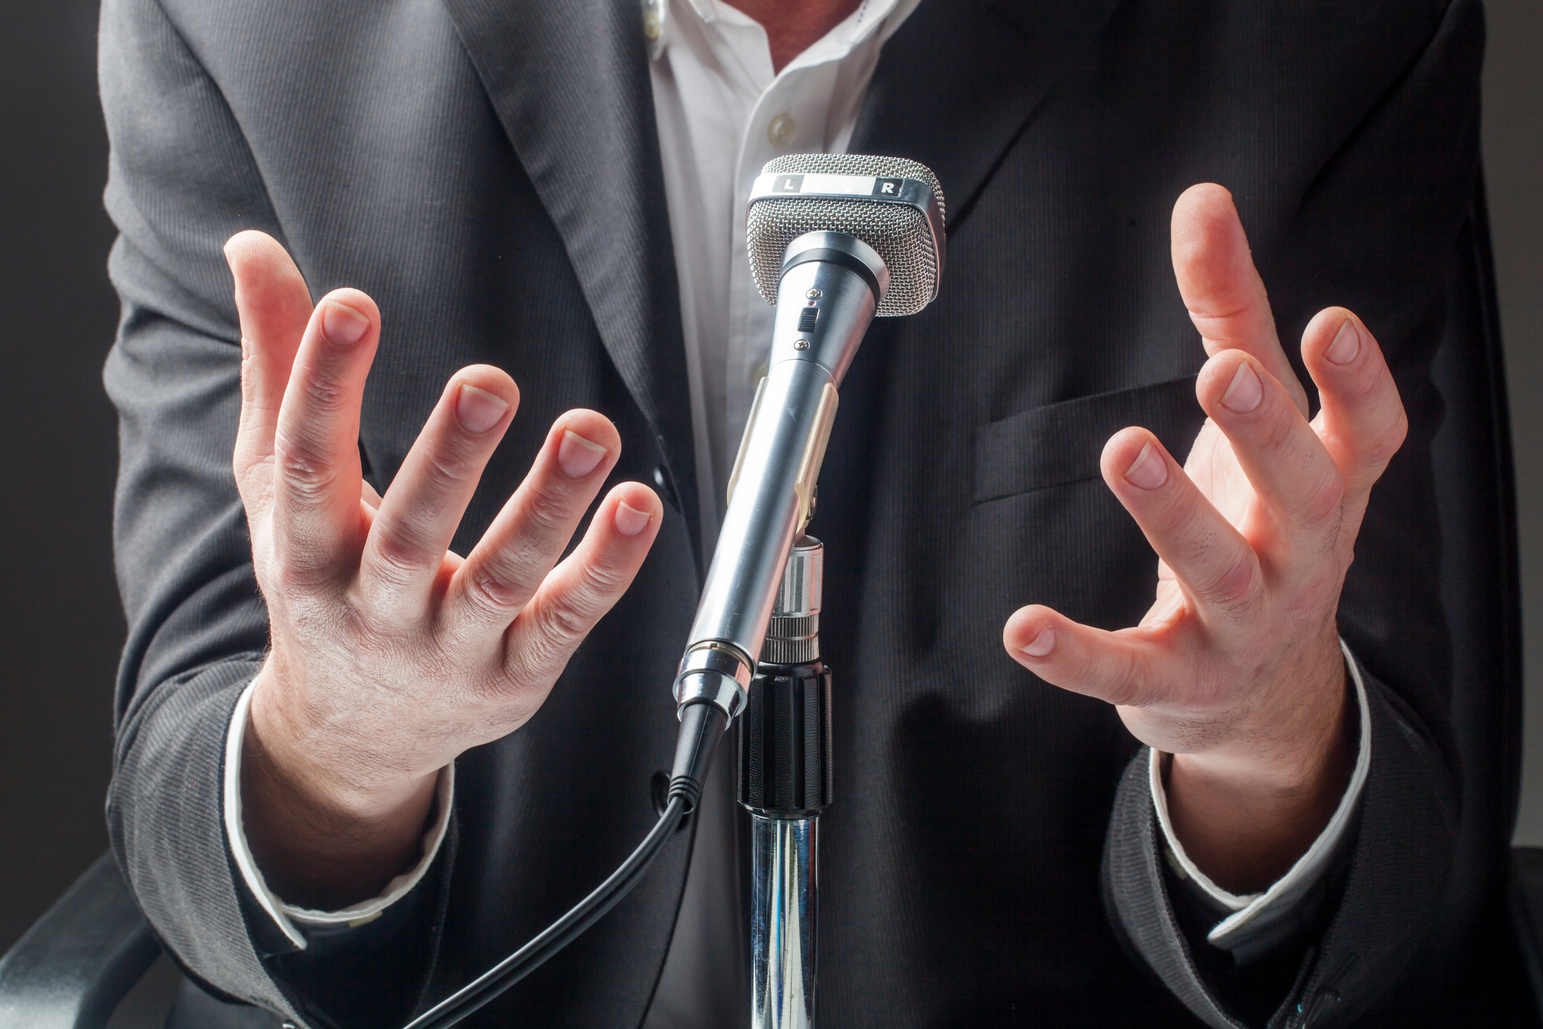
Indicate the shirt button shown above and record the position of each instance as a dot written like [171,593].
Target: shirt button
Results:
[780,131]
[653,19]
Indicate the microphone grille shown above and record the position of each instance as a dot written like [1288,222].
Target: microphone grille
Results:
[901,234]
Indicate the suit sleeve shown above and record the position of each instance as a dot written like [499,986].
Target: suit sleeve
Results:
[1382,231]
[181,181]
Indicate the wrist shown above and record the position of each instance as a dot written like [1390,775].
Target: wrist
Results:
[323,837]
[325,770]
[1247,810]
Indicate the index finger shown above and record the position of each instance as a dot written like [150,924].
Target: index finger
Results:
[316,441]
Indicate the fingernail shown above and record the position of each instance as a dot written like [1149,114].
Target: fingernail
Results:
[629,520]
[343,325]
[1043,644]
[1245,392]
[1148,472]
[1347,344]
[478,410]
[577,457]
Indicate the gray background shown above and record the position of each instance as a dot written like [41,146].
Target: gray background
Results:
[60,626]
[1513,157]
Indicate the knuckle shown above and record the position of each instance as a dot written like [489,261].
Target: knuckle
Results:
[525,663]
[290,576]
[398,557]
[1121,682]
[1220,311]
[1322,501]
[446,470]
[602,580]
[307,473]
[1392,437]
[529,669]
[1234,585]
[563,627]
[325,393]
[495,594]
[547,514]
[524,557]
[544,645]
[567,624]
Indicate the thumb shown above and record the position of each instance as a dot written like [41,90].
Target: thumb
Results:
[274,307]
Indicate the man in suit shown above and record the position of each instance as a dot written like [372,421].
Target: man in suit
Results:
[334,796]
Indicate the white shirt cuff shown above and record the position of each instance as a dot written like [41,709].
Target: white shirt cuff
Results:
[1309,868]
[284,915]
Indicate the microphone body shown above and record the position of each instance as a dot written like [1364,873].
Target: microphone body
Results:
[834,240]
[824,307]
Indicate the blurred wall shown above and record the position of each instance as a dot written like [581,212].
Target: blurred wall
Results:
[60,627]
[60,624]
[1513,157]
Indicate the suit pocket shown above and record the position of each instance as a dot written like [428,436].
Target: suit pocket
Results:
[1061,443]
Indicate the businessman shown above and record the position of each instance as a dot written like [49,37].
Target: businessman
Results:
[379,722]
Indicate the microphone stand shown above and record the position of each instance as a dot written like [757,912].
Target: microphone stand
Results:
[784,782]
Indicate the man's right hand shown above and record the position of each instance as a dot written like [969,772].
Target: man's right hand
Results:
[390,654]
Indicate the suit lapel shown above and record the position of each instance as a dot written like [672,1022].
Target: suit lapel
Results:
[957,83]
[570,83]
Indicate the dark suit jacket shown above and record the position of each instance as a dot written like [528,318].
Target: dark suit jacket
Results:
[488,170]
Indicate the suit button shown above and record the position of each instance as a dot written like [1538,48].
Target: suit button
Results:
[662,483]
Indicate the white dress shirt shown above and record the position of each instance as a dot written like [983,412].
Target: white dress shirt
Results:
[722,113]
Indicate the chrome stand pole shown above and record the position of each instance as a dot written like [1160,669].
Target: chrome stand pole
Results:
[783,917]
[784,782]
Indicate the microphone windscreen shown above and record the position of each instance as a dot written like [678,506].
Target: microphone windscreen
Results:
[902,234]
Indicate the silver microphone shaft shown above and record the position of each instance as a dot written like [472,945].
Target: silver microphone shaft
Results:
[831,285]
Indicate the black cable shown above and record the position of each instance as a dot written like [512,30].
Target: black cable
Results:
[701,727]
[558,935]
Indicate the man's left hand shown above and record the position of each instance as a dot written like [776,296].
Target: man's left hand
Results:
[1236,669]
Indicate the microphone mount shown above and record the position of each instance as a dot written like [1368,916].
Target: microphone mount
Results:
[785,782]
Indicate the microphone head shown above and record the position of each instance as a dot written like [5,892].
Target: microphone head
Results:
[892,204]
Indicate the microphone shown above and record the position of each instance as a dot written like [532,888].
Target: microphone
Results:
[834,241]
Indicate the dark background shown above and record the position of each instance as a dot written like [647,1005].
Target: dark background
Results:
[60,624]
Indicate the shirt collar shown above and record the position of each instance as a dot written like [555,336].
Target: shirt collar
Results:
[871,16]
